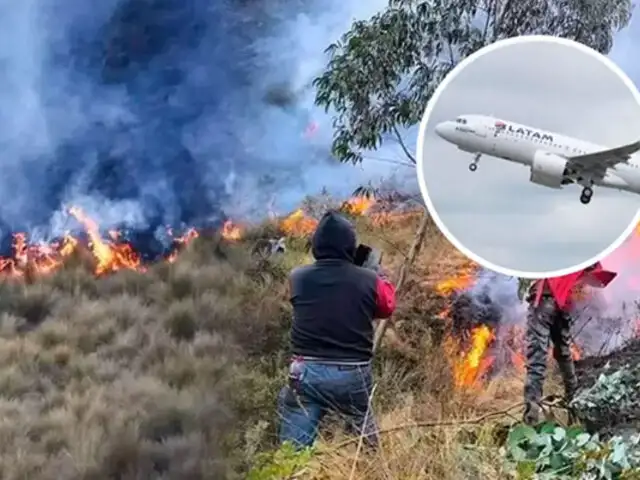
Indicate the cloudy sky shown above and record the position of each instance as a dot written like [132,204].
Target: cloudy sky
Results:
[496,212]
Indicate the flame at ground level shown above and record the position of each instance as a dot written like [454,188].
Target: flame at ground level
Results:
[474,358]
[112,253]
[469,367]
[109,254]
[300,224]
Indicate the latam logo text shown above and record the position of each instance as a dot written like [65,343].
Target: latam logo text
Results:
[525,132]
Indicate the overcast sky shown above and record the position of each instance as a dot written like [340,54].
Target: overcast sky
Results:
[496,212]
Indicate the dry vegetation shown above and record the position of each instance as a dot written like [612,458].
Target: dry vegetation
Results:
[174,373]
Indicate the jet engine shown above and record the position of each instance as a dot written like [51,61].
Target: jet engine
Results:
[548,169]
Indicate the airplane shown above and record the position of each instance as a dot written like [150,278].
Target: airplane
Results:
[554,160]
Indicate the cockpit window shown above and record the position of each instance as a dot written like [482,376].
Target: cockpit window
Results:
[461,120]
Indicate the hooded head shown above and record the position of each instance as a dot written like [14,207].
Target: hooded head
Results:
[334,238]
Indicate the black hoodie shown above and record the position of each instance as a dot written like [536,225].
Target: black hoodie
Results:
[334,301]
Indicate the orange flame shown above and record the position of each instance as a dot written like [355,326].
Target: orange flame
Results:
[231,232]
[471,363]
[359,205]
[111,253]
[469,367]
[456,284]
[109,257]
[182,241]
[576,352]
[298,224]
[39,258]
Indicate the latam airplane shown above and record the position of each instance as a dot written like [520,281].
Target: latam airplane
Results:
[554,160]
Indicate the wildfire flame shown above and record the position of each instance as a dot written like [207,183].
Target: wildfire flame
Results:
[111,253]
[458,283]
[358,205]
[298,224]
[471,358]
[470,366]
[38,258]
[109,256]
[182,241]
[230,231]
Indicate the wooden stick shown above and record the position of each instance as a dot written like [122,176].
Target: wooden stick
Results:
[434,424]
[404,270]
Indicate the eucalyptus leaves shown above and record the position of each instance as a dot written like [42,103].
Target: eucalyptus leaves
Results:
[613,400]
[552,452]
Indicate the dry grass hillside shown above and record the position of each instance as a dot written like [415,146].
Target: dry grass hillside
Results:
[173,373]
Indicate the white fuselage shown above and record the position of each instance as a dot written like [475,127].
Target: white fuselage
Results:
[519,143]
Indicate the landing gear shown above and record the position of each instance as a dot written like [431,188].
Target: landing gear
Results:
[474,166]
[585,197]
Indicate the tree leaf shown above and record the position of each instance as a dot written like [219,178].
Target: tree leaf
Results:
[383,71]
[573,431]
[559,434]
[582,439]
[520,433]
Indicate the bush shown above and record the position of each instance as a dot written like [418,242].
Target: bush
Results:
[612,401]
[552,452]
[284,462]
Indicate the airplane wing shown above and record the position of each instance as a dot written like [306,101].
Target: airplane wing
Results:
[598,162]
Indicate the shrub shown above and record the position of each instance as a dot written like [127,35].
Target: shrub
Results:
[552,452]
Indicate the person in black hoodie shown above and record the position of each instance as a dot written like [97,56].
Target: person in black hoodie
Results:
[334,305]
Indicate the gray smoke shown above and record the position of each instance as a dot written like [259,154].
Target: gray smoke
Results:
[604,322]
[611,316]
[166,112]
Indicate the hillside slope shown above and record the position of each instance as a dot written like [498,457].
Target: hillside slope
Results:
[140,374]
[173,372]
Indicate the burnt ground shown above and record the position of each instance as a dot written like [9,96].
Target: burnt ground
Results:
[588,369]
[613,419]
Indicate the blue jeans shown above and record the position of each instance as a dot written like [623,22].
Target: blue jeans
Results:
[315,389]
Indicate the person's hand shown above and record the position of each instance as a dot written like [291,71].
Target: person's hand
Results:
[382,272]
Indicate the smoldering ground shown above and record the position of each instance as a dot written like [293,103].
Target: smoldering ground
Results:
[148,113]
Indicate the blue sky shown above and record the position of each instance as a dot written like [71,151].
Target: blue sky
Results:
[496,212]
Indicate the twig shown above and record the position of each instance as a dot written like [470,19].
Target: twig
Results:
[450,423]
[299,473]
[582,327]
[404,271]
[362,433]
[403,146]
[388,242]
[389,160]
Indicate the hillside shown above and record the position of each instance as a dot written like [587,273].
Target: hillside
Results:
[172,371]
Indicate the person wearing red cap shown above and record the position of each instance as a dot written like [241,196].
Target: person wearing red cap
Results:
[548,321]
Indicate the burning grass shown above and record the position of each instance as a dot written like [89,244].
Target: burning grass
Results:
[116,369]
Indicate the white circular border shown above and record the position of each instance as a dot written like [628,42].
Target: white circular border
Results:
[420,153]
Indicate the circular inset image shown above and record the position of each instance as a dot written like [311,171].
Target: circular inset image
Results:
[527,156]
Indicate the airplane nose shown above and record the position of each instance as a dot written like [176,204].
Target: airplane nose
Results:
[441,130]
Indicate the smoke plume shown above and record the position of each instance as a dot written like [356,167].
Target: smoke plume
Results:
[166,112]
